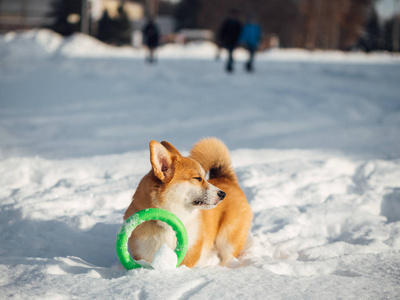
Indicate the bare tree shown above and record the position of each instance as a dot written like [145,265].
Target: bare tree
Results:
[323,24]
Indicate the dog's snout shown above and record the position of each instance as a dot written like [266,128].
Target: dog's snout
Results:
[221,195]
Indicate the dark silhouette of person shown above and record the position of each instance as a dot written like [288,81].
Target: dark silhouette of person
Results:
[151,36]
[250,38]
[122,27]
[228,35]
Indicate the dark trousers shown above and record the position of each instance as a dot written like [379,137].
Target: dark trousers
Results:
[229,65]
[151,57]
[250,62]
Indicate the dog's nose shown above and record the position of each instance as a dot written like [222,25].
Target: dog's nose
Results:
[221,195]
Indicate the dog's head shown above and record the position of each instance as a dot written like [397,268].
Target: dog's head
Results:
[181,180]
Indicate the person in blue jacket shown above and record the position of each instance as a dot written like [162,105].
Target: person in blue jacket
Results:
[250,38]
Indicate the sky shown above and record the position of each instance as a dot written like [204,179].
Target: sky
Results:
[385,8]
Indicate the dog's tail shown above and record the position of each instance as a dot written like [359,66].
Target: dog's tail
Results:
[213,156]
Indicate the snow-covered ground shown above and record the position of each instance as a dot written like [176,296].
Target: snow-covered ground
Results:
[314,137]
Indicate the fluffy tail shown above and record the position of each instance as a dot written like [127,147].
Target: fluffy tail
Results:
[213,156]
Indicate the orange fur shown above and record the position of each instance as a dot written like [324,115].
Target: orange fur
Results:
[178,184]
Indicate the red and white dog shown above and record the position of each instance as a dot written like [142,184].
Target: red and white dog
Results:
[215,212]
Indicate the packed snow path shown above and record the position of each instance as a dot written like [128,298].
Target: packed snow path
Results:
[314,140]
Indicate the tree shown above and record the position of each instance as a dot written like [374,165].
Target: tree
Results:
[66,16]
[123,27]
[372,38]
[187,13]
[275,17]
[115,30]
[390,32]
[332,24]
[105,30]
[353,22]
[323,24]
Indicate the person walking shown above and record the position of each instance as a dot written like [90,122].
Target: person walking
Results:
[228,35]
[151,36]
[250,38]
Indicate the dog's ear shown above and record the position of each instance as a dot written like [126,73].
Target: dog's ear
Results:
[161,160]
[170,148]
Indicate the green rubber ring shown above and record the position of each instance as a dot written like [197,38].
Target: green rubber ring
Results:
[146,215]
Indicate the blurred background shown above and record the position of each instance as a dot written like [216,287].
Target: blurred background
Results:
[366,25]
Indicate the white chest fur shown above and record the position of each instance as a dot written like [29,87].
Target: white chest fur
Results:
[162,234]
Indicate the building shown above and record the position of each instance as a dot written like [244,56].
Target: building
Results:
[29,14]
[23,14]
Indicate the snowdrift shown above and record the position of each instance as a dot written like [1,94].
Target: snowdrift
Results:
[44,43]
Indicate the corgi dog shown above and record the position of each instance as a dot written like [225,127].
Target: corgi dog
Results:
[215,212]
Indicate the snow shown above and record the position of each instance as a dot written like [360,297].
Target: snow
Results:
[314,138]
[165,259]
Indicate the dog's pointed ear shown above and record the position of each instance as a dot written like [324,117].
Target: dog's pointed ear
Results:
[170,148]
[161,161]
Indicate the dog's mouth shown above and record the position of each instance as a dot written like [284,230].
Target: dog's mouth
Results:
[204,205]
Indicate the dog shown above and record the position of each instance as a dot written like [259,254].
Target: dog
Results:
[215,212]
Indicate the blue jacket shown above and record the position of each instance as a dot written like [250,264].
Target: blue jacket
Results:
[250,35]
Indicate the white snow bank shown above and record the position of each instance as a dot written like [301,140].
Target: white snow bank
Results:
[328,56]
[31,44]
[80,45]
[45,43]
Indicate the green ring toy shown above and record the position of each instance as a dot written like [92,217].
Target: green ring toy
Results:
[146,215]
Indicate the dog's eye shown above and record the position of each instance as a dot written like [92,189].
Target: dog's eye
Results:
[198,178]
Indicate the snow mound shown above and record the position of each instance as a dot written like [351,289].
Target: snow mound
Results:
[329,56]
[81,45]
[44,43]
[164,259]
[200,50]
[34,44]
